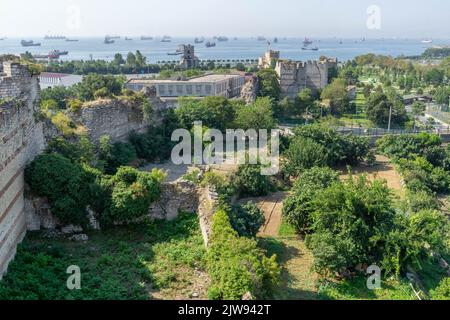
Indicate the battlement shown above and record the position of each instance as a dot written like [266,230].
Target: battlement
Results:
[297,75]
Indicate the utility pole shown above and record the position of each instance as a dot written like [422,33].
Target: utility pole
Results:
[390,118]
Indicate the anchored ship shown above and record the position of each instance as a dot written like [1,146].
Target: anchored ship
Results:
[146,38]
[49,37]
[166,39]
[108,40]
[307,42]
[30,43]
[210,44]
[199,40]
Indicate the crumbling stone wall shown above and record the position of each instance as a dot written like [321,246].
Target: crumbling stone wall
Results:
[250,90]
[117,118]
[21,140]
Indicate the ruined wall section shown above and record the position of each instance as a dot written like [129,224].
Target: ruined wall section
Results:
[21,140]
[117,118]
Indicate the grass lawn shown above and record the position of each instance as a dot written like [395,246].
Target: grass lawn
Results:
[161,260]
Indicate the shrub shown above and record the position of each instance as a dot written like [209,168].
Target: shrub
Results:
[132,192]
[247,219]
[64,183]
[75,105]
[339,149]
[411,146]
[421,200]
[121,154]
[250,182]
[302,154]
[64,123]
[299,205]
[236,265]
[442,292]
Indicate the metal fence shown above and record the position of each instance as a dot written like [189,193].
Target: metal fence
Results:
[379,132]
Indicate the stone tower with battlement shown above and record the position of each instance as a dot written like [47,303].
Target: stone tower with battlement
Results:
[188,58]
[295,75]
[21,140]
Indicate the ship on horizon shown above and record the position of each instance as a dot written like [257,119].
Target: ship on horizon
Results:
[72,40]
[307,42]
[427,41]
[166,39]
[146,38]
[210,44]
[30,43]
[199,40]
[108,40]
[50,37]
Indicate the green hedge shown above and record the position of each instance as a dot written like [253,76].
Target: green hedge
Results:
[236,265]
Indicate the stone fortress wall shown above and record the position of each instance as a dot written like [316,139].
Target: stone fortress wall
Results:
[295,76]
[21,139]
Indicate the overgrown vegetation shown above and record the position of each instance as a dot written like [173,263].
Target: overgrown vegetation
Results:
[236,265]
[135,262]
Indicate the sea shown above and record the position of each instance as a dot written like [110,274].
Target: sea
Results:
[233,49]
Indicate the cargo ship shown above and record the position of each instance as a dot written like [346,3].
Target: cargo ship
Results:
[146,38]
[307,42]
[199,40]
[210,44]
[166,39]
[108,40]
[30,43]
[48,37]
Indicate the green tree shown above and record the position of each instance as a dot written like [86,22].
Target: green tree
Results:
[337,96]
[269,85]
[379,105]
[258,115]
[418,109]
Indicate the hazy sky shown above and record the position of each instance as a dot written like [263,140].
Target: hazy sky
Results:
[315,18]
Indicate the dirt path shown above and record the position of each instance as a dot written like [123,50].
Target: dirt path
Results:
[382,170]
[272,206]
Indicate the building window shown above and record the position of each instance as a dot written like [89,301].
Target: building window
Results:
[179,89]
[208,89]
[162,89]
[198,89]
[170,90]
[188,89]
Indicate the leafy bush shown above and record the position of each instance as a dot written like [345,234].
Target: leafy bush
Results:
[421,200]
[420,175]
[411,146]
[299,205]
[213,112]
[64,123]
[64,183]
[96,85]
[119,154]
[132,192]
[354,222]
[302,154]
[250,182]
[339,149]
[247,219]
[257,116]
[442,292]
[236,265]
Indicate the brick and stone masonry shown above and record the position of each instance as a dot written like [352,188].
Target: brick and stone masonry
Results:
[21,139]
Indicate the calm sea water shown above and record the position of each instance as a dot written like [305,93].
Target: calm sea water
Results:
[242,48]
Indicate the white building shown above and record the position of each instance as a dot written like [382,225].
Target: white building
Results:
[51,80]
[225,85]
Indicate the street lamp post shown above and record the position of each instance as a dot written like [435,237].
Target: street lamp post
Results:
[390,119]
